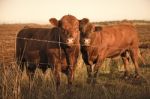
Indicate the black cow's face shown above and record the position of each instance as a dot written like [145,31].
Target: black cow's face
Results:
[69,26]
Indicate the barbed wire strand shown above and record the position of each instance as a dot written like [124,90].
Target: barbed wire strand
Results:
[58,42]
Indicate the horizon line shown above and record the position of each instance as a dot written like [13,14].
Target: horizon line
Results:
[91,21]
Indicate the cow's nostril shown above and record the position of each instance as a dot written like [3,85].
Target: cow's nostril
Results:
[84,41]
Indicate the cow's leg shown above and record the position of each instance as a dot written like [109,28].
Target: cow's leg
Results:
[70,75]
[96,68]
[89,72]
[43,61]
[33,60]
[31,67]
[71,70]
[92,71]
[71,59]
[125,59]
[99,62]
[33,63]
[134,57]
[57,74]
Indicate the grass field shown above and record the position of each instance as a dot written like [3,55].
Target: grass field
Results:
[15,84]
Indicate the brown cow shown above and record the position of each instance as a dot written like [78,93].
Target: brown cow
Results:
[64,58]
[109,42]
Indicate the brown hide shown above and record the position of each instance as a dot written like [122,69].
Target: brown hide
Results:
[64,59]
[110,41]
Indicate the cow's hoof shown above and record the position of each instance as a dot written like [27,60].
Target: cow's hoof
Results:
[126,77]
[94,81]
[137,76]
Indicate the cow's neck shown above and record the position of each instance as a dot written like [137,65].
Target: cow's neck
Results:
[92,51]
[95,39]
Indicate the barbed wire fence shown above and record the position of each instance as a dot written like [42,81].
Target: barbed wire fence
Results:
[10,72]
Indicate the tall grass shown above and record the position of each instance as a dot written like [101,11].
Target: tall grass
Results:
[17,85]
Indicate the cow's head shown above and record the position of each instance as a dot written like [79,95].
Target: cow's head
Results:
[87,30]
[69,26]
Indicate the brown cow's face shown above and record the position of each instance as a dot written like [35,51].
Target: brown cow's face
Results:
[87,34]
[69,26]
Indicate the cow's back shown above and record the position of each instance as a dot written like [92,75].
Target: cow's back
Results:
[38,39]
[119,36]
[28,39]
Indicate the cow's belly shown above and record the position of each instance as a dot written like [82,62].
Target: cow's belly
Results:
[114,53]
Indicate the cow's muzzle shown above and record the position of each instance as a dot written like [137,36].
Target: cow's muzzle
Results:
[86,42]
[70,41]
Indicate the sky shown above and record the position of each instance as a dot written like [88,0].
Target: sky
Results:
[39,11]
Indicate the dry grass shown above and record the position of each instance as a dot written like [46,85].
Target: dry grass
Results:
[110,86]
[15,84]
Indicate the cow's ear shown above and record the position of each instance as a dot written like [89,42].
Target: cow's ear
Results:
[98,28]
[83,21]
[54,22]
